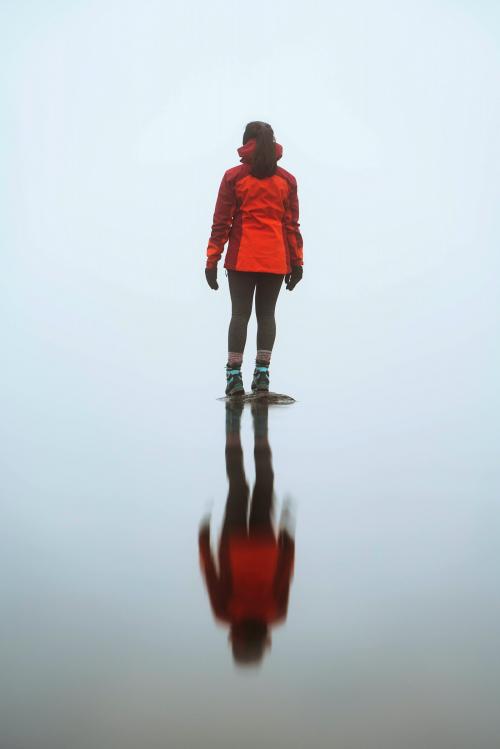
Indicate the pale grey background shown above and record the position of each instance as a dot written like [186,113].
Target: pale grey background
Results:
[118,120]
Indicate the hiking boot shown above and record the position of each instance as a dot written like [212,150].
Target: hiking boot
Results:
[234,410]
[260,382]
[234,380]
[260,411]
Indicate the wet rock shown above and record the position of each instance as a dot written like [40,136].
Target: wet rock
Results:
[270,398]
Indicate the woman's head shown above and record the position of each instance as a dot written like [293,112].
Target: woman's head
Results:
[264,155]
[249,640]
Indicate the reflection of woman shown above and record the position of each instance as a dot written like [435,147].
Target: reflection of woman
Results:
[257,210]
[250,590]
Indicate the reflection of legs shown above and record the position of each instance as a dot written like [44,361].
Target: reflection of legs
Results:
[241,288]
[266,296]
[262,498]
[235,518]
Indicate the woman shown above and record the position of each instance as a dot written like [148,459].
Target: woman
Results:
[257,209]
[249,579]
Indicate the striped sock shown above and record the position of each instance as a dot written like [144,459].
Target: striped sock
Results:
[234,358]
[263,356]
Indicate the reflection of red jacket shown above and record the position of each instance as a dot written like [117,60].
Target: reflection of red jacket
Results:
[260,217]
[254,577]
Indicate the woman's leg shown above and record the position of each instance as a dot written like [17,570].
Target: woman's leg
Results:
[262,506]
[235,516]
[266,296]
[241,288]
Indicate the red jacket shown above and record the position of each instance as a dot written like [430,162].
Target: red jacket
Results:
[254,576]
[260,217]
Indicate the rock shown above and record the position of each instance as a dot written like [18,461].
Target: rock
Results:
[270,398]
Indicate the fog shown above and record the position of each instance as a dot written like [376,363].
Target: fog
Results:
[118,120]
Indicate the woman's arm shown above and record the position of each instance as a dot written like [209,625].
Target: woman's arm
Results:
[292,226]
[213,583]
[222,221]
[284,572]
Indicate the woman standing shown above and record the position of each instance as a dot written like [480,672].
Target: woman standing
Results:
[257,209]
[248,580]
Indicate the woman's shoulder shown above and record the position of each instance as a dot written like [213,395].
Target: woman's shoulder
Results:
[236,172]
[286,175]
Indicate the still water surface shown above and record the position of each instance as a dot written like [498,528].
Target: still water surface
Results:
[180,573]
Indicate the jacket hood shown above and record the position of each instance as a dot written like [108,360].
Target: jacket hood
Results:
[245,152]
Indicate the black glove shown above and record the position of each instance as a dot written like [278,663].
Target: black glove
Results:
[294,277]
[211,276]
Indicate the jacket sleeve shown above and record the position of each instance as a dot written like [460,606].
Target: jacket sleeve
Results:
[284,572]
[222,221]
[213,583]
[292,225]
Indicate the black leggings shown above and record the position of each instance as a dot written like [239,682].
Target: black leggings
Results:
[239,517]
[242,285]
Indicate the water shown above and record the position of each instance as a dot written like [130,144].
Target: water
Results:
[112,459]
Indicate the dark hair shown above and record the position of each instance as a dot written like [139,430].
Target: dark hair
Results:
[264,156]
[249,641]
